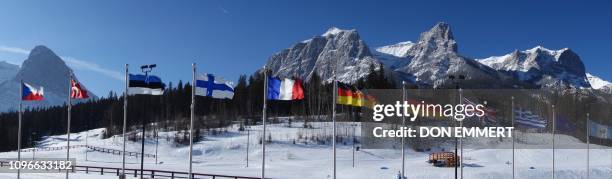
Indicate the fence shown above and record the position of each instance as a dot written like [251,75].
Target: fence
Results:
[94,148]
[146,172]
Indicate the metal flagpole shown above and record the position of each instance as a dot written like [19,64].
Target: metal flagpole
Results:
[87,136]
[156,142]
[553,141]
[353,146]
[146,70]
[125,103]
[512,115]
[335,87]
[34,151]
[69,118]
[403,138]
[263,118]
[461,138]
[193,65]
[588,147]
[19,128]
[248,143]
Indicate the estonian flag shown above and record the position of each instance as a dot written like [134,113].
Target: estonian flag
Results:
[285,89]
[147,85]
[30,93]
[210,86]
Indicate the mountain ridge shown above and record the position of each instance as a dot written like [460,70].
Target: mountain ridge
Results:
[429,62]
[43,68]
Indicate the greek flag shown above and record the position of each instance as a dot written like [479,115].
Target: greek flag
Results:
[529,119]
[210,86]
[599,130]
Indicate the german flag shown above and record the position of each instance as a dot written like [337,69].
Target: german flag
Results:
[349,95]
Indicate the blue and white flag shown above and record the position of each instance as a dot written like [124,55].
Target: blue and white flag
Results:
[210,86]
[529,119]
[146,85]
[599,130]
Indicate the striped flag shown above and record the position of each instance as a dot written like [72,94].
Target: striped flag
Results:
[349,95]
[529,119]
[285,89]
[599,130]
[146,85]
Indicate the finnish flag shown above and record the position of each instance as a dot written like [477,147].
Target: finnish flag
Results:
[210,86]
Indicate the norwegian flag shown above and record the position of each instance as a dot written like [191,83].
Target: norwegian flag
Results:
[77,92]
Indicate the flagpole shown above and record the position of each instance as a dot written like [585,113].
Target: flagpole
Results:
[19,128]
[144,129]
[335,86]
[512,115]
[248,143]
[588,147]
[263,118]
[69,119]
[461,138]
[193,65]
[87,136]
[125,103]
[354,145]
[403,125]
[553,141]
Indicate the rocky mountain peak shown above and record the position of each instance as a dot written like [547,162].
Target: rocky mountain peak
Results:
[332,31]
[40,49]
[438,38]
[44,67]
[337,49]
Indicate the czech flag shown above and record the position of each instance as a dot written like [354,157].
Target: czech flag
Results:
[29,93]
[77,92]
[285,89]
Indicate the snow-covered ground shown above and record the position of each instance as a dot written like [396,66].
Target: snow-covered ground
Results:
[226,154]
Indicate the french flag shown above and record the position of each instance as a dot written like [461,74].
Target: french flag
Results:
[29,93]
[285,89]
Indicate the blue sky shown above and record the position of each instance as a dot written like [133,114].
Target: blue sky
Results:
[230,38]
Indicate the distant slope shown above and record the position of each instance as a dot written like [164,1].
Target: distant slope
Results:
[7,71]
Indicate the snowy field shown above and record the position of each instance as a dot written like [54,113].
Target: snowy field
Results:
[226,153]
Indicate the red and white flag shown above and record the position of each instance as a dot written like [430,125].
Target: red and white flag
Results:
[77,91]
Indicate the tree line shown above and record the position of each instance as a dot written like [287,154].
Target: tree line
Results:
[171,111]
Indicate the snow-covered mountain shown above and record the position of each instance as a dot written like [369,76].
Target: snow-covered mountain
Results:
[542,67]
[397,50]
[429,62]
[599,84]
[435,56]
[42,68]
[337,48]
[392,55]
[7,71]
